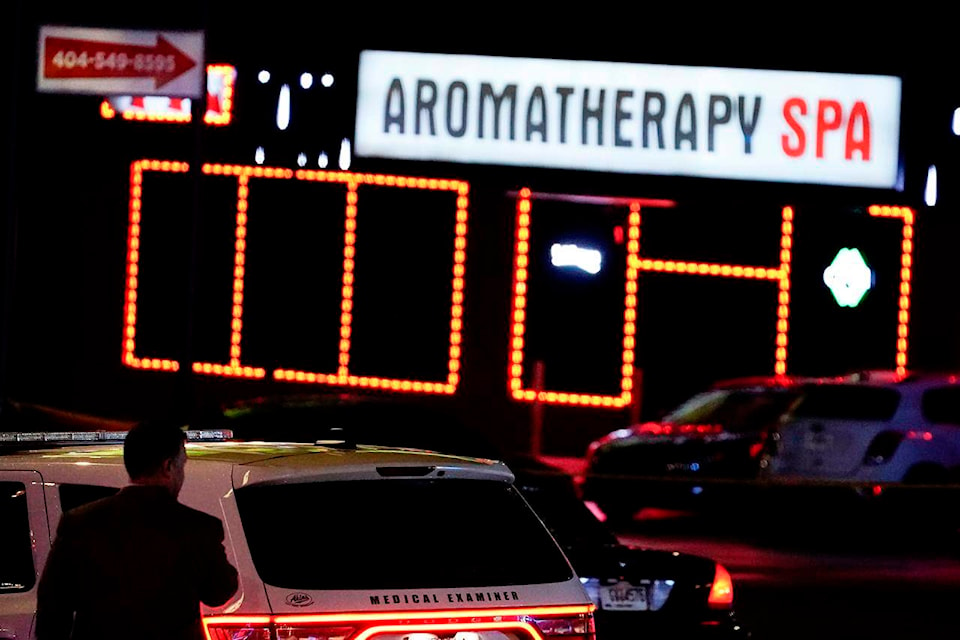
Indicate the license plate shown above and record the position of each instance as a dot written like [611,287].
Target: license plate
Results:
[623,596]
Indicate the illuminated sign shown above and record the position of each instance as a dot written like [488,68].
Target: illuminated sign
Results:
[533,314]
[220,95]
[370,263]
[357,280]
[848,277]
[570,255]
[320,310]
[783,126]
[114,61]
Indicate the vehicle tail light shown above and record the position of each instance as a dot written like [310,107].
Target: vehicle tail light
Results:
[651,428]
[721,592]
[573,622]
[667,429]
[314,632]
[580,625]
[882,447]
[237,628]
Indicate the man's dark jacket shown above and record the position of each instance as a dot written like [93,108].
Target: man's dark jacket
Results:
[134,565]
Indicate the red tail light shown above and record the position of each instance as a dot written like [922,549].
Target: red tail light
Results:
[535,623]
[721,593]
[666,429]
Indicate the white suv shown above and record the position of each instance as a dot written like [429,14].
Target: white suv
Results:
[336,542]
[871,430]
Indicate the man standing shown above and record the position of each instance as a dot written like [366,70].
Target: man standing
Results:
[139,563]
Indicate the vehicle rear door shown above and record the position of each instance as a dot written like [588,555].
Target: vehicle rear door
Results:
[24,544]
[827,434]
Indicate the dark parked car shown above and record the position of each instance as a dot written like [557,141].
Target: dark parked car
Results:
[702,454]
[638,592]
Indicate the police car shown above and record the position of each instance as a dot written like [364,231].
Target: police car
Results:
[332,541]
[874,438]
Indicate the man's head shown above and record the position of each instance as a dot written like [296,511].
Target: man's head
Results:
[154,454]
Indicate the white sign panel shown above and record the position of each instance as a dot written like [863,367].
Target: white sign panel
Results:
[782,126]
[112,61]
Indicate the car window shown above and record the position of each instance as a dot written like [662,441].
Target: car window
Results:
[736,410]
[75,495]
[848,402]
[397,534]
[942,405]
[567,517]
[16,551]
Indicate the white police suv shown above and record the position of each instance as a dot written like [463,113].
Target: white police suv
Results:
[875,440]
[332,542]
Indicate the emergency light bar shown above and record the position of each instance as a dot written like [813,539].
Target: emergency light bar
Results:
[202,435]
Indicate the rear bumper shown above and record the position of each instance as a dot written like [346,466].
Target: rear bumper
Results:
[614,626]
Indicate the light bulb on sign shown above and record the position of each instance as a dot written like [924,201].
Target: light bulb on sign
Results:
[848,277]
[570,255]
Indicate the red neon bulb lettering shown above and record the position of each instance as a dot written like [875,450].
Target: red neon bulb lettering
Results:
[342,376]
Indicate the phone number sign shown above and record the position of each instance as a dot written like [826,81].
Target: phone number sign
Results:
[112,61]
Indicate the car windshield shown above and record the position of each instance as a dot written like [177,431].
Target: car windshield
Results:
[398,534]
[736,410]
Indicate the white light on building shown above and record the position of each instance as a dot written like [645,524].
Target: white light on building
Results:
[306,80]
[283,108]
[848,277]
[570,255]
[930,191]
[263,77]
[344,155]
[327,80]
[259,156]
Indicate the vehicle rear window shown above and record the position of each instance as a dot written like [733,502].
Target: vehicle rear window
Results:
[400,534]
[942,405]
[16,540]
[736,410]
[848,402]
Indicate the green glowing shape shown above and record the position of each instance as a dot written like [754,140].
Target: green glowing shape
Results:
[848,277]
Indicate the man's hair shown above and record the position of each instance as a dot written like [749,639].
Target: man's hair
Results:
[148,444]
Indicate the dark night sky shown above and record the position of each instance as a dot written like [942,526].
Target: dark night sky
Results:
[67,335]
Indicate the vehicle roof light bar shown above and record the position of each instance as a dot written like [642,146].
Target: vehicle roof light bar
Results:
[193,435]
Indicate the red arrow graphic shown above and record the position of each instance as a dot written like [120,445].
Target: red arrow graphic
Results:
[72,58]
